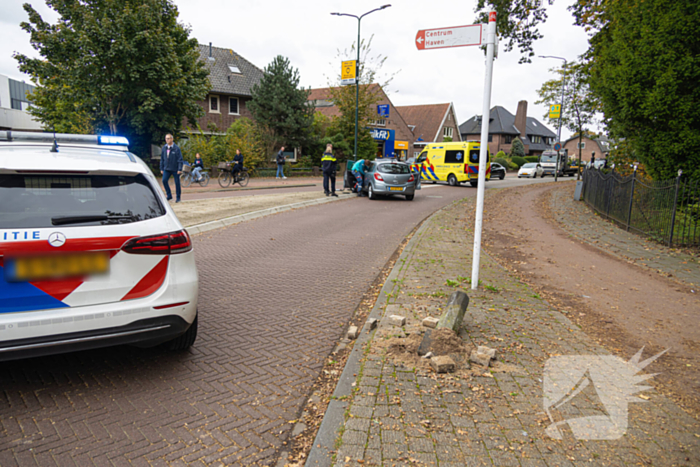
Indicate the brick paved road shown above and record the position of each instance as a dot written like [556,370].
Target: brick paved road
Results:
[275,295]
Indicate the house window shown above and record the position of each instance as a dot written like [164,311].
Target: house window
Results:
[214,104]
[447,132]
[581,145]
[378,122]
[508,139]
[535,139]
[234,69]
[233,106]
[490,138]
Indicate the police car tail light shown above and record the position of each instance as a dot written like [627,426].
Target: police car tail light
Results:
[411,178]
[378,177]
[165,244]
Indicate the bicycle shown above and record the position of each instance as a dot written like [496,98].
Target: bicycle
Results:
[187,177]
[225,176]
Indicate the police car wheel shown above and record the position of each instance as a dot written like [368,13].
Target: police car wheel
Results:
[410,197]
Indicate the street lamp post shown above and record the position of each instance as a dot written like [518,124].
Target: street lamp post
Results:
[357,68]
[561,109]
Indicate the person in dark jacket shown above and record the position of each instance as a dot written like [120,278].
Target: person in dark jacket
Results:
[280,164]
[329,165]
[171,166]
[237,165]
[197,167]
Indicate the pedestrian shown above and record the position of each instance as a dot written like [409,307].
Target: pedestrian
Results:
[198,167]
[237,165]
[171,166]
[358,170]
[280,164]
[329,164]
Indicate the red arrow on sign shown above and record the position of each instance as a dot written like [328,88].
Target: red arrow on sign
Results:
[420,39]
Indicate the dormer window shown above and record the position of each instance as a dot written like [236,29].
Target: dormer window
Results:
[234,69]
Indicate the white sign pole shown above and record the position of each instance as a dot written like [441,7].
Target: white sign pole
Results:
[483,160]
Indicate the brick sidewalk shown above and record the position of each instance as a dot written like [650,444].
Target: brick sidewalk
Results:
[580,220]
[397,415]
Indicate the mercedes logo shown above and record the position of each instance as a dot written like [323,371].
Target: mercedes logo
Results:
[57,239]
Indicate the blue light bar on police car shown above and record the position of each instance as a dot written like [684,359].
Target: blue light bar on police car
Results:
[112,140]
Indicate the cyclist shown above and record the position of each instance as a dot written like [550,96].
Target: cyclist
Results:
[237,165]
[198,166]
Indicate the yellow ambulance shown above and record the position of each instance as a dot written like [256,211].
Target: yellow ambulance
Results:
[454,162]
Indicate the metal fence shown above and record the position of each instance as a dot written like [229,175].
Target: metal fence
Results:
[667,211]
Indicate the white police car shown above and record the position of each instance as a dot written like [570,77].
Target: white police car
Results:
[91,254]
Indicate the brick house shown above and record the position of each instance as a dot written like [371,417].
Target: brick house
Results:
[430,124]
[590,144]
[392,134]
[232,78]
[504,127]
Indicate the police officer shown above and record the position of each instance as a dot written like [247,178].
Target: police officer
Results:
[329,163]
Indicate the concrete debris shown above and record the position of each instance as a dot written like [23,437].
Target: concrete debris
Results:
[372,323]
[442,364]
[397,320]
[428,355]
[487,350]
[430,322]
[352,332]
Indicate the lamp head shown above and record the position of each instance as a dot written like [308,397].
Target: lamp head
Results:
[384,6]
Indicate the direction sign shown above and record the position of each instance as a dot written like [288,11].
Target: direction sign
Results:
[348,72]
[442,38]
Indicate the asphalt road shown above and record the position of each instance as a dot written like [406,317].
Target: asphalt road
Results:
[275,296]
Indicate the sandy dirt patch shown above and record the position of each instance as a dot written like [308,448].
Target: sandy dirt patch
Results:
[206,210]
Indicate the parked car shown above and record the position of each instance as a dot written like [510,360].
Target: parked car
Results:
[91,253]
[497,171]
[531,170]
[389,177]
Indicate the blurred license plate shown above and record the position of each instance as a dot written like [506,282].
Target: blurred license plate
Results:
[32,268]
[395,188]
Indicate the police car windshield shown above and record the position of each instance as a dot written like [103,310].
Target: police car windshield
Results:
[36,201]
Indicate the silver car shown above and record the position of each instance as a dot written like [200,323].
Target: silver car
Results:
[389,177]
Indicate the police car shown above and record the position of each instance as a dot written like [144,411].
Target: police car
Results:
[91,254]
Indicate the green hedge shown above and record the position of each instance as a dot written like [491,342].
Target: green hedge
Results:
[532,158]
[519,161]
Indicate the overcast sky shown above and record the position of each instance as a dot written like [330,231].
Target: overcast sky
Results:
[306,33]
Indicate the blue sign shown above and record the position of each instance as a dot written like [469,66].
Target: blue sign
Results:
[383,110]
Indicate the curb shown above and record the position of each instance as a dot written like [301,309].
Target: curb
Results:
[220,223]
[334,418]
[252,188]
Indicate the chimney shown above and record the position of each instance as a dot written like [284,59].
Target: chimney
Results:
[521,118]
[210,55]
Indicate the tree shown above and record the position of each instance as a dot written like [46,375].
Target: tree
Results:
[243,134]
[645,67]
[370,93]
[580,105]
[125,66]
[281,106]
[517,149]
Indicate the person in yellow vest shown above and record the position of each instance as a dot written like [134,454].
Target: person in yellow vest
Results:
[329,164]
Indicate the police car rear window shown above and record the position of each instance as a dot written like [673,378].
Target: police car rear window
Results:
[36,201]
[396,169]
